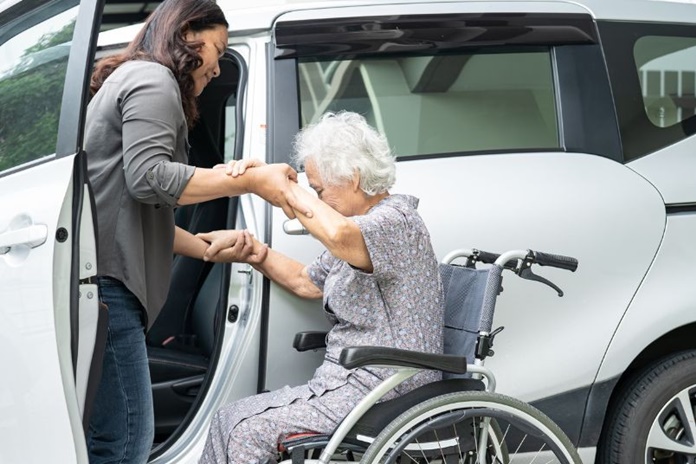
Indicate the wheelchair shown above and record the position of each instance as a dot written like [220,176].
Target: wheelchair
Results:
[460,419]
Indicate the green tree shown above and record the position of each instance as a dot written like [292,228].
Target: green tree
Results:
[54,38]
[30,99]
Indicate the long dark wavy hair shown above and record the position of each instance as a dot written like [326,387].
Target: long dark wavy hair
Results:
[162,40]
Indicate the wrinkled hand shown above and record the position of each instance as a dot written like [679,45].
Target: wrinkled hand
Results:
[236,168]
[274,183]
[228,246]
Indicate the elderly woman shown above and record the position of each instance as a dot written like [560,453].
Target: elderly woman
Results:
[378,279]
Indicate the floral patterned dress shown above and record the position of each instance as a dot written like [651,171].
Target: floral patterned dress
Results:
[398,305]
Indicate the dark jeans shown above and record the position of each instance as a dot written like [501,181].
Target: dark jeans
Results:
[122,425]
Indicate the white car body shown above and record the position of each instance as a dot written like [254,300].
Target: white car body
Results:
[629,221]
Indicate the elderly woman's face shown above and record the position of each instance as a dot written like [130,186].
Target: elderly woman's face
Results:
[345,198]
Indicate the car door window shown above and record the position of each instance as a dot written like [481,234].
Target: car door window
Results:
[33,65]
[667,72]
[652,67]
[441,104]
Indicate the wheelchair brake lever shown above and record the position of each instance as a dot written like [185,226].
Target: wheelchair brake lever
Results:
[526,273]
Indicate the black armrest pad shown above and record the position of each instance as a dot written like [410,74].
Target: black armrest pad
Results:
[305,341]
[360,356]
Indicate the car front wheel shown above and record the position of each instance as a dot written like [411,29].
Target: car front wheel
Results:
[653,421]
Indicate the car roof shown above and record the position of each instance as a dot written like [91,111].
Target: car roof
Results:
[264,13]
[260,17]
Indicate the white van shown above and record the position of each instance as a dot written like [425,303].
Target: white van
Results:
[563,126]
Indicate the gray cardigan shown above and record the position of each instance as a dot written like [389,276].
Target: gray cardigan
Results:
[137,150]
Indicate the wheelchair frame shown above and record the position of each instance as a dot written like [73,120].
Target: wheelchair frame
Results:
[408,363]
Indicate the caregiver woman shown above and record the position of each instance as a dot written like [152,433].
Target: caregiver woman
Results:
[144,101]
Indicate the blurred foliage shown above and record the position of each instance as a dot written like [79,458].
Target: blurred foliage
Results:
[30,99]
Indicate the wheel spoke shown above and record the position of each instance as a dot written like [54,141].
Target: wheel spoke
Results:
[501,442]
[687,412]
[518,447]
[437,440]
[537,453]
[658,437]
[421,450]
[459,447]
[485,428]
[481,440]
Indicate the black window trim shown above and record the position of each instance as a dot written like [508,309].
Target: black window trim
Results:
[680,208]
[585,103]
[73,107]
[616,37]
[282,109]
[15,19]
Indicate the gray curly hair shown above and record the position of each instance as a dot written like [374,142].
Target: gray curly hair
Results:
[341,144]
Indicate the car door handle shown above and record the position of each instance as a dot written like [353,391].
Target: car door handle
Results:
[31,236]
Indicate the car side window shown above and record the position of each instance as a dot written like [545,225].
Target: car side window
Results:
[667,72]
[652,68]
[33,65]
[451,103]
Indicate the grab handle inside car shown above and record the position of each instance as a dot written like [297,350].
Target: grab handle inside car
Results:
[294,227]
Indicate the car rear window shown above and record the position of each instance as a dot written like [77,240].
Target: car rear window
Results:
[652,67]
[667,72]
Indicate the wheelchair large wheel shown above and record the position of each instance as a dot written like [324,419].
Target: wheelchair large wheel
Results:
[472,428]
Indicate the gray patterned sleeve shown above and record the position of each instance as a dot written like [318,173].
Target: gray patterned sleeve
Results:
[320,268]
[385,232]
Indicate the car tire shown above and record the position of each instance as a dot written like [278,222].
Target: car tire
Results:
[653,419]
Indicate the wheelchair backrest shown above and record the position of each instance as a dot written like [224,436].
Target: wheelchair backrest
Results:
[464,290]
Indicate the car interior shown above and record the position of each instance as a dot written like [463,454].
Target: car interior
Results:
[181,342]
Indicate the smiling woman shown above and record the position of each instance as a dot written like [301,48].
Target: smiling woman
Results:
[211,45]
[136,138]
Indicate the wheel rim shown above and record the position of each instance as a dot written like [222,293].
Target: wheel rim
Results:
[498,448]
[672,435]
[414,450]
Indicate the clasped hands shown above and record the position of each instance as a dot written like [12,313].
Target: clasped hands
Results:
[272,182]
[239,246]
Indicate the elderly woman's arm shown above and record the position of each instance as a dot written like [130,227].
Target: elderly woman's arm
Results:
[339,234]
[288,273]
[285,271]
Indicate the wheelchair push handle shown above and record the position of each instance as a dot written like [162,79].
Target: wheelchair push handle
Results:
[559,261]
[527,258]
